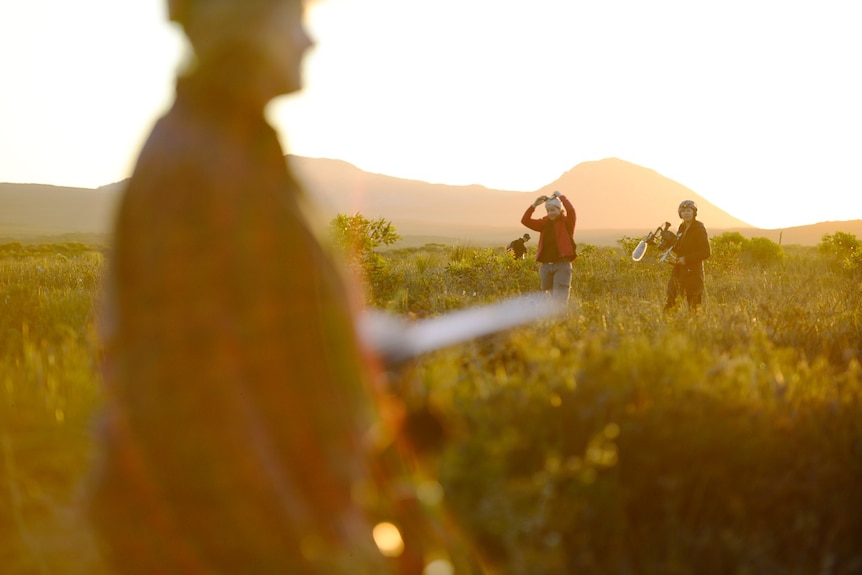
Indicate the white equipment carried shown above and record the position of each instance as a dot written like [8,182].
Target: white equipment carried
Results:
[661,237]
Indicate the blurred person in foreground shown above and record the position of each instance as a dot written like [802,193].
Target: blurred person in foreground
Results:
[556,250]
[690,249]
[237,435]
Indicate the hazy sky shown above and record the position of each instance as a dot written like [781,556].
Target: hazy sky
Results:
[753,104]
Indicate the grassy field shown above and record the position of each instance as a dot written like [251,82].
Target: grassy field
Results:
[618,439]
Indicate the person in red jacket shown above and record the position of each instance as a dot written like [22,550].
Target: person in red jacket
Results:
[557,249]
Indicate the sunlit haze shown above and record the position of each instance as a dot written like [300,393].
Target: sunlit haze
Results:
[753,104]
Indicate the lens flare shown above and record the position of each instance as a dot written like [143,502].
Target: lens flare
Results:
[439,567]
[388,539]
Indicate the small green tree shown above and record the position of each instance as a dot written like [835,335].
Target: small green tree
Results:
[357,234]
[358,237]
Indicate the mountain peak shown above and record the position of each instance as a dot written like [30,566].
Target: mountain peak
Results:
[612,194]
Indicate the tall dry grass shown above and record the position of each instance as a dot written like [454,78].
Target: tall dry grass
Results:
[616,440]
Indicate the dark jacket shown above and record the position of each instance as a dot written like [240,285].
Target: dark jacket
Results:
[693,245]
[518,247]
[563,229]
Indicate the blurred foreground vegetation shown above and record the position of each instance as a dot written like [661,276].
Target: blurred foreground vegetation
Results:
[616,440]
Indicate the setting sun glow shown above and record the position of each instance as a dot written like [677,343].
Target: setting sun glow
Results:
[753,105]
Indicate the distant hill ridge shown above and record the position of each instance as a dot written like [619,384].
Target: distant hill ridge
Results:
[613,198]
[607,194]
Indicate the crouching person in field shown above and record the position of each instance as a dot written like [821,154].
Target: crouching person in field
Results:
[556,249]
[518,247]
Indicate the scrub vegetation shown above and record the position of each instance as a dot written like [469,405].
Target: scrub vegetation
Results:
[617,439]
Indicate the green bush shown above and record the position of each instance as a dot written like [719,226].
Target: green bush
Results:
[763,252]
[839,244]
[732,252]
[843,249]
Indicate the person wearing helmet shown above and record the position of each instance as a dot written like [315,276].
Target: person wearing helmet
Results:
[691,249]
[557,249]
[236,435]
[517,248]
